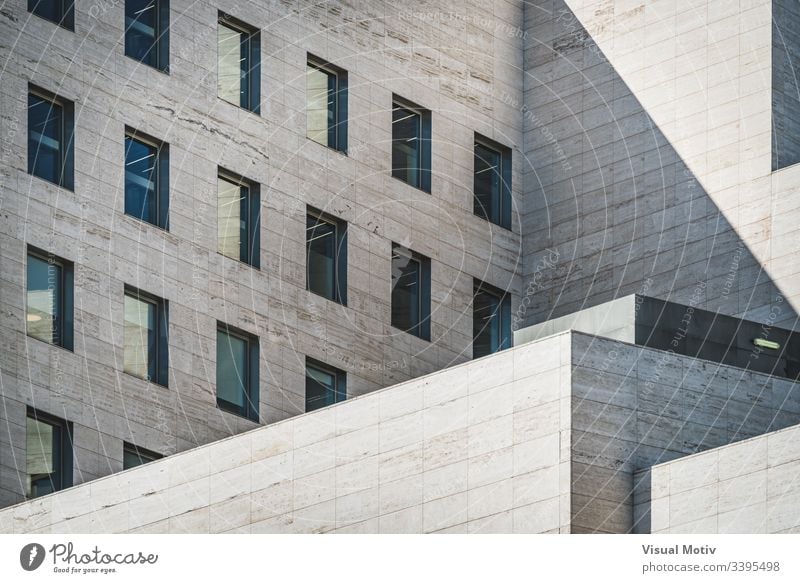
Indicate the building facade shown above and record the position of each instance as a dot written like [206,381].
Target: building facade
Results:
[243,212]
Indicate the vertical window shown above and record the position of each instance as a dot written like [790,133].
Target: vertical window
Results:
[238,210]
[411,144]
[48,452]
[492,184]
[326,256]
[237,372]
[411,292]
[147,32]
[146,179]
[59,11]
[48,315]
[238,63]
[326,104]
[145,353]
[50,137]
[491,320]
[325,385]
[133,456]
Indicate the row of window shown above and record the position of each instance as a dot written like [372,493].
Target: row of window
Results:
[238,82]
[49,311]
[49,439]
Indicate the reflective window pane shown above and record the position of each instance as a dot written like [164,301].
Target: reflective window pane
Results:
[323,387]
[321,106]
[133,456]
[231,221]
[43,316]
[321,256]
[43,453]
[57,11]
[140,338]
[485,324]
[488,178]
[141,176]
[232,370]
[141,31]
[45,138]
[232,65]
[406,284]
[406,136]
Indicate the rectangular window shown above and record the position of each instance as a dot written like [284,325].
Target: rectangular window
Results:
[325,385]
[326,104]
[411,144]
[133,456]
[238,63]
[411,292]
[146,179]
[48,452]
[326,256]
[145,352]
[237,372]
[491,320]
[147,32]
[238,210]
[50,137]
[48,315]
[59,11]
[492,184]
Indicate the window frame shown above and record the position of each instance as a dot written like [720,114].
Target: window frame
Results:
[251,253]
[504,309]
[340,109]
[140,452]
[505,202]
[65,448]
[161,364]
[160,36]
[339,257]
[424,137]
[422,329]
[64,8]
[66,160]
[252,395]
[340,379]
[161,176]
[252,36]
[66,303]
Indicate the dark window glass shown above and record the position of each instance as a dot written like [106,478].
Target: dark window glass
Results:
[133,456]
[146,181]
[238,67]
[411,158]
[491,320]
[326,256]
[59,11]
[410,292]
[326,105]
[492,185]
[238,207]
[50,130]
[237,372]
[48,454]
[325,385]
[145,337]
[49,299]
[146,32]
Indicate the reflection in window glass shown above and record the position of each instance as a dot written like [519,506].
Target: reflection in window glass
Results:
[43,315]
[232,371]
[406,144]
[232,64]
[324,386]
[321,256]
[45,138]
[231,221]
[406,276]
[43,453]
[139,356]
[141,31]
[141,180]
